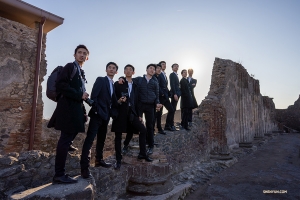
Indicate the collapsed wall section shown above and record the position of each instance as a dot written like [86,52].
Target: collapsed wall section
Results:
[247,114]
[290,117]
[18,46]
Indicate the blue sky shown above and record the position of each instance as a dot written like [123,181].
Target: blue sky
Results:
[262,35]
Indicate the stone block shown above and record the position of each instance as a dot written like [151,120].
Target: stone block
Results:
[83,190]
[11,171]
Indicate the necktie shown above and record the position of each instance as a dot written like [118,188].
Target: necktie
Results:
[166,77]
[111,87]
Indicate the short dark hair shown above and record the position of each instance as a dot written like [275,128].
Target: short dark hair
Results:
[81,46]
[174,64]
[183,70]
[158,65]
[153,65]
[162,62]
[132,67]
[112,63]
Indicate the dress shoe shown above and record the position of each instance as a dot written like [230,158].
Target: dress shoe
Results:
[187,128]
[101,163]
[65,179]
[117,166]
[170,128]
[125,149]
[147,158]
[150,151]
[85,173]
[162,132]
[72,148]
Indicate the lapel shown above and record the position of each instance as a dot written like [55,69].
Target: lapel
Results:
[107,85]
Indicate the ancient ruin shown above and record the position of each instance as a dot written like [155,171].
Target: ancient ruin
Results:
[234,114]
[232,117]
[22,69]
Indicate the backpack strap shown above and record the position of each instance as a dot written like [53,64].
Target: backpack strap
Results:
[73,72]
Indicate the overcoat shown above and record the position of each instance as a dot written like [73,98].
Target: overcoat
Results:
[186,94]
[174,84]
[120,123]
[193,81]
[69,112]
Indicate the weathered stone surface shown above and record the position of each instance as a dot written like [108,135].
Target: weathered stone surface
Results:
[234,110]
[18,47]
[11,171]
[84,190]
[6,161]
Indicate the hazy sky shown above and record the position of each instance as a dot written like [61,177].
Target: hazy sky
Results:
[262,35]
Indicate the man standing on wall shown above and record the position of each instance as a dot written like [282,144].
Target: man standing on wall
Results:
[175,92]
[192,83]
[104,98]
[186,100]
[164,100]
[128,120]
[70,115]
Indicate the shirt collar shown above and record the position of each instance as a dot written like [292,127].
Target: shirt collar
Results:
[110,80]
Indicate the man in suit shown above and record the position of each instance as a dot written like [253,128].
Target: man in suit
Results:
[128,120]
[186,100]
[164,98]
[104,98]
[193,83]
[148,96]
[70,115]
[175,92]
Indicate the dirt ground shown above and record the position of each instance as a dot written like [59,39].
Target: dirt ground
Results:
[271,172]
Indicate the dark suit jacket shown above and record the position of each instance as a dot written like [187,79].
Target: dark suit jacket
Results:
[163,88]
[174,83]
[186,94]
[120,123]
[102,99]
[193,81]
[69,112]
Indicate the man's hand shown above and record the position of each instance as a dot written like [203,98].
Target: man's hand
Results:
[85,95]
[122,99]
[121,81]
[193,84]
[86,118]
[141,120]
[175,97]
[158,107]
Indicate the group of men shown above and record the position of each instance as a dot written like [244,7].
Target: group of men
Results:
[125,101]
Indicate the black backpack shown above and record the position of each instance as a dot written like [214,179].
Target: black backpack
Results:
[51,83]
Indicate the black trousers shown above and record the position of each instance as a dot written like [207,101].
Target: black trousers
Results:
[170,116]
[148,110]
[190,118]
[63,144]
[185,116]
[97,126]
[174,105]
[135,125]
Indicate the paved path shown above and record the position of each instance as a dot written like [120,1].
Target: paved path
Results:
[275,166]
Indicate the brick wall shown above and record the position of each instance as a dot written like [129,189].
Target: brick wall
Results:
[18,46]
[236,95]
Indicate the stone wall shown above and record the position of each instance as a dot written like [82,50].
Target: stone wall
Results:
[234,109]
[18,47]
[290,117]
[20,171]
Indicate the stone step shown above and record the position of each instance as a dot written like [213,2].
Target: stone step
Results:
[155,188]
[83,190]
[245,145]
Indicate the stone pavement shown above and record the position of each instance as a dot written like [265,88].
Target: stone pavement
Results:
[271,172]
